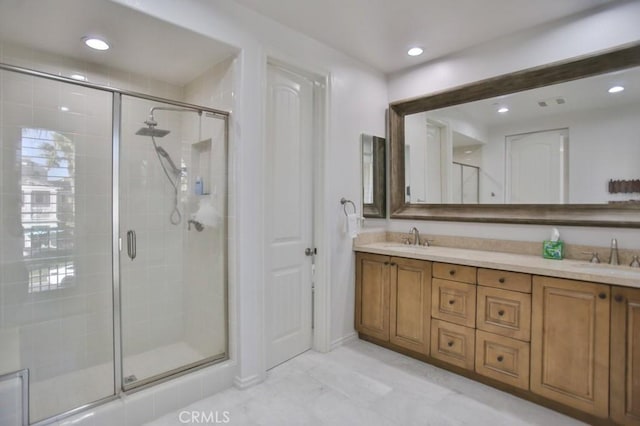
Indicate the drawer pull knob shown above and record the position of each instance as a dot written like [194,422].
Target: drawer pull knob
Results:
[452,272]
[500,358]
[451,302]
[602,296]
[450,343]
[393,263]
[619,298]
[386,263]
[500,312]
[501,280]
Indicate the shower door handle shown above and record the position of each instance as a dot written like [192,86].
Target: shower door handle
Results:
[131,244]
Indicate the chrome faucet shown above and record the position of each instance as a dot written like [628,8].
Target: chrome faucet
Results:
[613,257]
[416,236]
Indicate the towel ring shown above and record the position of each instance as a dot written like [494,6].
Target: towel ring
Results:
[344,202]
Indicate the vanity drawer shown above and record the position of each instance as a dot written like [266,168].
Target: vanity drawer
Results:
[448,271]
[503,359]
[453,343]
[454,302]
[502,279]
[504,312]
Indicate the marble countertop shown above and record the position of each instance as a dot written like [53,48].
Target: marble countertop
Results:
[566,268]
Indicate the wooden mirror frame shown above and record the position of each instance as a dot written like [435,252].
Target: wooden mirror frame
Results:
[377,209]
[611,215]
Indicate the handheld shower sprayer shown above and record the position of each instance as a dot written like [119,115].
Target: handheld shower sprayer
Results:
[163,156]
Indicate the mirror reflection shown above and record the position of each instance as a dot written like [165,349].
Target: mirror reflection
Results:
[373,176]
[561,144]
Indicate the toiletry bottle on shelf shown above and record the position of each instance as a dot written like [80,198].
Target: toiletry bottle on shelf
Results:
[198,187]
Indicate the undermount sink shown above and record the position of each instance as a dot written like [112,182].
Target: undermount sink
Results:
[599,268]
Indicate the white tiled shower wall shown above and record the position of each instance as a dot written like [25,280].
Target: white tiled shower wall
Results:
[204,297]
[54,334]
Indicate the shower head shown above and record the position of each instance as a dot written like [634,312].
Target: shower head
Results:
[152,131]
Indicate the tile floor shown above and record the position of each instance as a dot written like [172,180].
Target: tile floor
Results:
[363,384]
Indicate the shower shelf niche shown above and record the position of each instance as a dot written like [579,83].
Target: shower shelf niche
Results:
[201,166]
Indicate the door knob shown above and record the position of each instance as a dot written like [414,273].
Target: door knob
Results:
[310,251]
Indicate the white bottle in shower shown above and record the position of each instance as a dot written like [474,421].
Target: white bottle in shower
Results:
[199,189]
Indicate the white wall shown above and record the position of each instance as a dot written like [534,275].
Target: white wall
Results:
[585,34]
[357,101]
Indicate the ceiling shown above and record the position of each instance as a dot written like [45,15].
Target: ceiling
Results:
[139,43]
[379,32]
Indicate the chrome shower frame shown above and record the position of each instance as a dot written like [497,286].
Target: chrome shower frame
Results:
[119,387]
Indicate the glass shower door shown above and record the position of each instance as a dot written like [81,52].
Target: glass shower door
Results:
[56,300]
[173,231]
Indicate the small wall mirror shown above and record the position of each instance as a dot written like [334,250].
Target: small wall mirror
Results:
[556,144]
[373,176]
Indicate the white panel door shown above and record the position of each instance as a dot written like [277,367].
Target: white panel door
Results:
[537,168]
[289,215]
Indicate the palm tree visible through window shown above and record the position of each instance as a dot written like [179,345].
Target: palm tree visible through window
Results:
[48,207]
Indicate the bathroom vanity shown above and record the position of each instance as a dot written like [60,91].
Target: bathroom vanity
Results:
[563,334]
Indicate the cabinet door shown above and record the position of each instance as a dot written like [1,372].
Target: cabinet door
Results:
[625,356]
[410,311]
[460,273]
[503,359]
[513,281]
[504,312]
[570,343]
[453,343]
[454,302]
[372,295]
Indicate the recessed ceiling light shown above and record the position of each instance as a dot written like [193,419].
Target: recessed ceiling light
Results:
[468,152]
[616,89]
[78,77]
[503,110]
[415,51]
[64,108]
[96,43]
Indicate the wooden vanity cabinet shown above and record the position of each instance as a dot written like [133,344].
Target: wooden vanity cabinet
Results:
[372,295]
[453,343]
[454,302]
[393,300]
[570,343]
[503,359]
[504,312]
[410,316]
[625,356]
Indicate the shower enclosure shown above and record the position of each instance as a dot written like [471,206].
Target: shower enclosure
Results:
[113,248]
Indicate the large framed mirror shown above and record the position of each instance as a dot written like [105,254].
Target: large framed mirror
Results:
[558,144]
[374,194]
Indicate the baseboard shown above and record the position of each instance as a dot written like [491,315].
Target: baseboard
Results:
[246,382]
[344,340]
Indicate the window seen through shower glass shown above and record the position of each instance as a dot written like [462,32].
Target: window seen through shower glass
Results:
[47,160]
[56,305]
